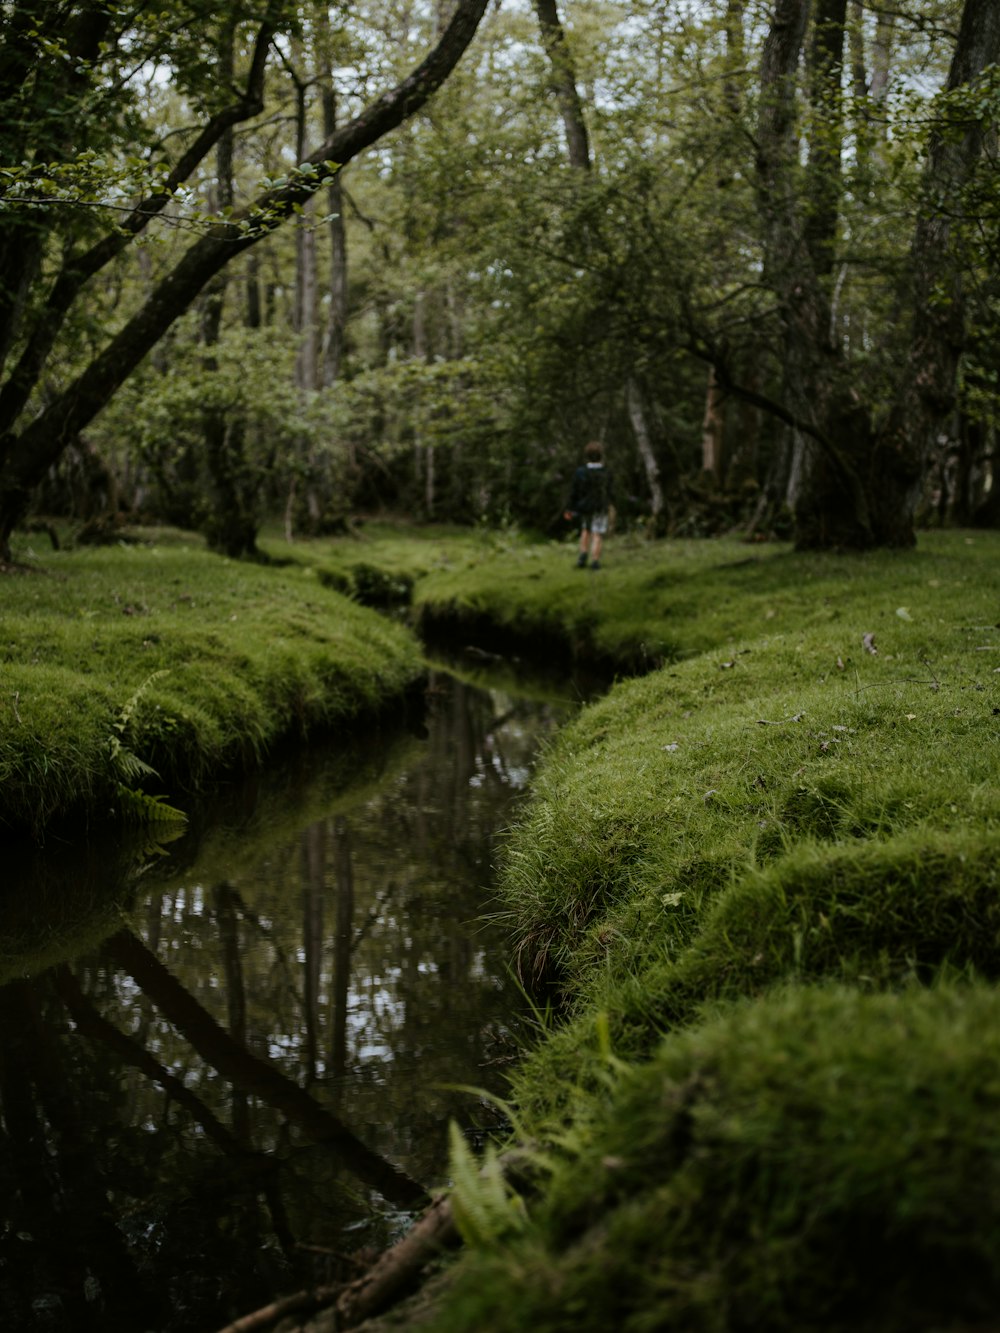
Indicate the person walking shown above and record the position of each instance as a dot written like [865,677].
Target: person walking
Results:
[588,503]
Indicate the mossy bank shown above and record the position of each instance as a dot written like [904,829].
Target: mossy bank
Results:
[756,892]
[759,886]
[160,656]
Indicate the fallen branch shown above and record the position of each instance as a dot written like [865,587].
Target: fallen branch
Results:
[395,1270]
[393,1274]
[268,1315]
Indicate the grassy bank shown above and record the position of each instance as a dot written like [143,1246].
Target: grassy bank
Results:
[761,882]
[159,655]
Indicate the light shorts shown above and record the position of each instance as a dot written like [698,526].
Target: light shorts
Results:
[595,523]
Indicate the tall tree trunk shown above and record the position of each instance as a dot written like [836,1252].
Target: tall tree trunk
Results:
[640,429]
[51,93]
[564,83]
[824,171]
[231,524]
[834,505]
[926,394]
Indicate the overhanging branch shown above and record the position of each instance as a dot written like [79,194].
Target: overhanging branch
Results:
[24,459]
[79,269]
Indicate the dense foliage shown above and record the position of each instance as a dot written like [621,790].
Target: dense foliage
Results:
[761,271]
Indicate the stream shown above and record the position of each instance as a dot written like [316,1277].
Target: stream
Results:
[236,1078]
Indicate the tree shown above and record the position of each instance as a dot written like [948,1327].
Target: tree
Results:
[56,65]
[864,462]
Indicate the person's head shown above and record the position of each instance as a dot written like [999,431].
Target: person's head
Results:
[593,452]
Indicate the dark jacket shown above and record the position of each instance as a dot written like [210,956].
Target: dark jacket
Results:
[590,492]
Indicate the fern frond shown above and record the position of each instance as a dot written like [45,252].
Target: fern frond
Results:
[484,1206]
[138,807]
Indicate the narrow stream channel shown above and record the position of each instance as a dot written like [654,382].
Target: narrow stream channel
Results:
[247,1074]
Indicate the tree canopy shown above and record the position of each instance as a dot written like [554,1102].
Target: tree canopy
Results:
[304,258]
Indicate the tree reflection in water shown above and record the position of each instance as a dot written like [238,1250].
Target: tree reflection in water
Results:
[254,1077]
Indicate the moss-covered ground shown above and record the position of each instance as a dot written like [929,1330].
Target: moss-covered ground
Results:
[160,655]
[762,883]
[760,886]
[756,892]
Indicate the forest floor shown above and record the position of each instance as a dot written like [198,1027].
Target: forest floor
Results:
[759,888]
[756,888]
[156,667]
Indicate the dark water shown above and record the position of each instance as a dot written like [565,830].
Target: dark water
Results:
[227,1069]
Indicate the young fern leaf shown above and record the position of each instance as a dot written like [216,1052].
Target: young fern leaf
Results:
[484,1207]
[136,805]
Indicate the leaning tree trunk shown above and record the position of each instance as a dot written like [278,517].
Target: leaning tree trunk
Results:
[26,455]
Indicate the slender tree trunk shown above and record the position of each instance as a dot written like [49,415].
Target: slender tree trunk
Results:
[713,430]
[306,303]
[640,428]
[742,467]
[564,83]
[334,340]
[735,56]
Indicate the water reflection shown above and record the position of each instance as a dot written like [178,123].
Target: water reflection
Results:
[253,1073]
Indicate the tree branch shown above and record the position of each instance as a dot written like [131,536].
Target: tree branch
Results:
[25,459]
[79,269]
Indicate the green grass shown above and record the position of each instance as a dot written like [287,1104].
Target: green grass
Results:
[759,883]
[821,1159]
[677,783]
[764,876]
[668,601]
[190,663]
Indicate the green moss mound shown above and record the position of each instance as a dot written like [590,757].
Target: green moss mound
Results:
[163,656]
[819,1159]
[765,877]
